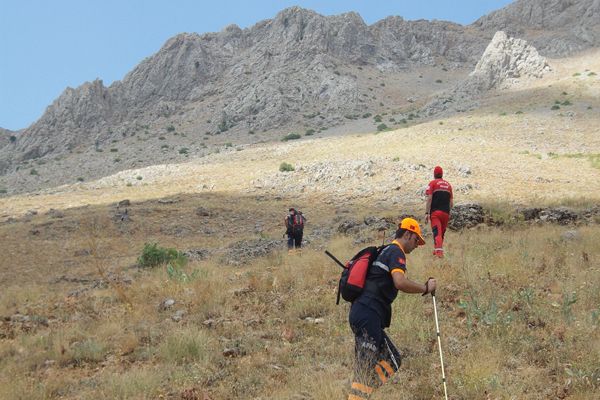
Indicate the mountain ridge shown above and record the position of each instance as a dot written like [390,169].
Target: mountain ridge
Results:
[298,70]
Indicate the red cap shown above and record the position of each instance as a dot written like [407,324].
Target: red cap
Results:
[438,171]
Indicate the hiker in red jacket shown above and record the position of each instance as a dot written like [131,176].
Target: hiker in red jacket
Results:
[439,203]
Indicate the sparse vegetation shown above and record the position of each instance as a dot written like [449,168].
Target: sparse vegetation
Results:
[80,179]
[139,177]
[555,107]
[381,127]
[183,150]
[286,167]
[309,132]
[33,171]
[154,255]
[170,128]
[291,136]
[438,81]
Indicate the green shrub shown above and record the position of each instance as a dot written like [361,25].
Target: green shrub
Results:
[555,107]
[566,103]
[228,144]
[519,112]
[382,127]
[114,150]
[592,73]
[250,132]
[285,167]
[161,138]
[183,150]
[377,118]
[117,159]
[139,177]
[290,136]
[170,128]
[309,132]
[80,179]
[3,191]
[366,115]
[13,138]
[438,81]
[153,255]
[576,74]
[33,171]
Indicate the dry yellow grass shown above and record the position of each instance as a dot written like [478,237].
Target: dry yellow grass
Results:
[519,307]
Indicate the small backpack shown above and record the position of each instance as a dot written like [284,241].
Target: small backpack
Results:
[354,276]
[298,222]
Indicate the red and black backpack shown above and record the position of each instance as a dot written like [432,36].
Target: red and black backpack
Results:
[354,276]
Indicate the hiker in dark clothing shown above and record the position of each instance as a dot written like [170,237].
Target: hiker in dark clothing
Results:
[377,359]
[294,225]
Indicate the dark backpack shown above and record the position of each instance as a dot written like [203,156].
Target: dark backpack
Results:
[354,276]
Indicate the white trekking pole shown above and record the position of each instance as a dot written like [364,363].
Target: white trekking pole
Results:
[437,330]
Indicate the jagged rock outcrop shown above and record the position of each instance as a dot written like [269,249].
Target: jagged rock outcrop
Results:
[554,27]
[299,69]
[505,59]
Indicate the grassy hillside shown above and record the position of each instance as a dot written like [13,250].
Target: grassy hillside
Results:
[519,304]
[519,310]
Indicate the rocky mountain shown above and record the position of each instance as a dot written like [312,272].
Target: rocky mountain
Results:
[298,71]
[555,27]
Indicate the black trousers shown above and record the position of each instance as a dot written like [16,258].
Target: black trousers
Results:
[376,357]
[295,239]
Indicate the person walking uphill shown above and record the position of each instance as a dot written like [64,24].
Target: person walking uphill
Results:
[294,225]
[439,203]
[377,359]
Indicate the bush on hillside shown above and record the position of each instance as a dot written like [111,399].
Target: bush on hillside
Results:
[153,255]
[285,167]
[290,136]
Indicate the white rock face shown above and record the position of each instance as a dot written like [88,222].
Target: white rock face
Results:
[507,58]
[504,61]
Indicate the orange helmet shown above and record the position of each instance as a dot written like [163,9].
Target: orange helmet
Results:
[411,224]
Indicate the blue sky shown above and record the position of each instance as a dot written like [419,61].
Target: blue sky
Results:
[46,46]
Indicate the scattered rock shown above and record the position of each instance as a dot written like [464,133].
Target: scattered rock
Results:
[166,304]
[233,352]
[178,316]
[349,227]
[466,216]
[202,212]
[559,215]
[570,235]
[196,254]
[53,213]
[242,251]
[464,171]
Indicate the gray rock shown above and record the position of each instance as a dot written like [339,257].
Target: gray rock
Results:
[466,216]
[166,304]
[570,235]
[52,213]
[178,316]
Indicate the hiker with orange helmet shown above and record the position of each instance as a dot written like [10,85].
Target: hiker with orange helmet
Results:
[377,359]
[439,203]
